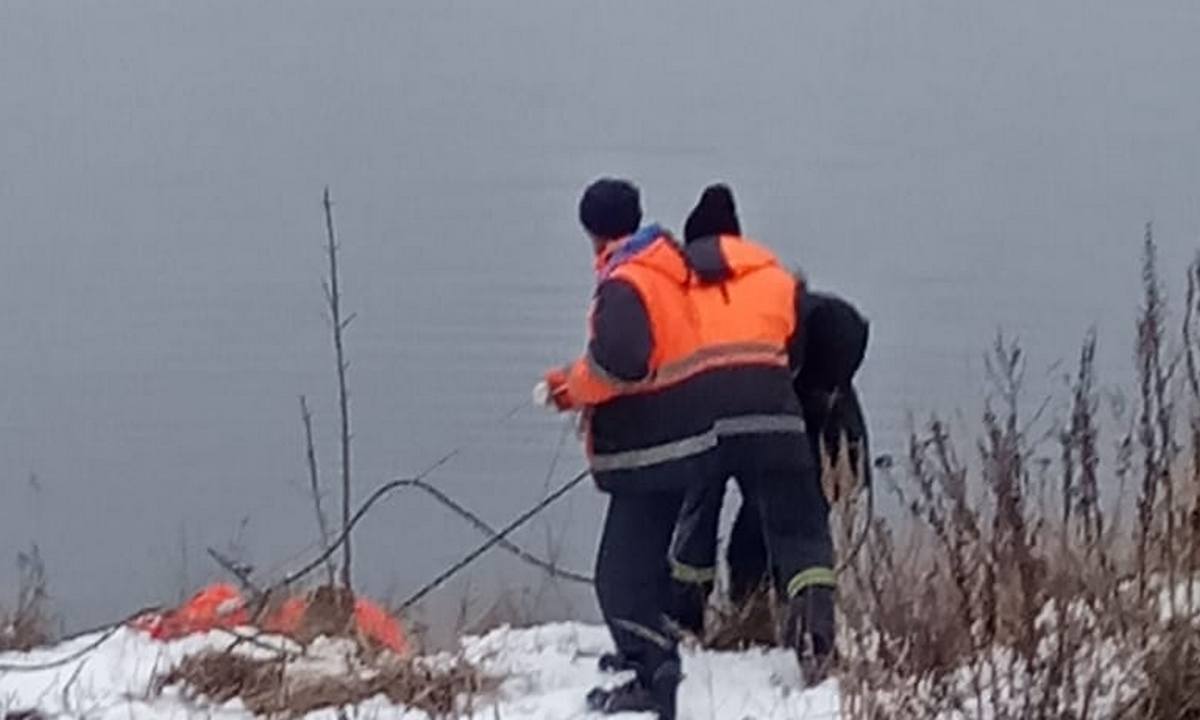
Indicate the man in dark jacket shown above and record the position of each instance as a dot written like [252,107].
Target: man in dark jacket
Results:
[609,384]
[685,381]
[824,355]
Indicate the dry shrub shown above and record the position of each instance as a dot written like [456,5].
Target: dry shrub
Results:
[736,626]
[281,686]
[29,624]
[25,715]
[1173,689]
[1015,585]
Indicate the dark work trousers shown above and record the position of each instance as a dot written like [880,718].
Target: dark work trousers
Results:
[633,576]
[781,533]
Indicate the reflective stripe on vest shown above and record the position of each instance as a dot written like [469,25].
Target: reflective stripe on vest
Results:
[706,358]
[754,424]
[655,454]
[697,444]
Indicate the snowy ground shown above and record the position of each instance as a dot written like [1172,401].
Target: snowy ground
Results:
[548,669]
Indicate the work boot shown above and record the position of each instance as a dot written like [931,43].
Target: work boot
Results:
[665,688]
[634,696]
[631,696]
[810,632]
[615,662]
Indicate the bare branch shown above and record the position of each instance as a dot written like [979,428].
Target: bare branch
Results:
[241,571]
[315,485]
[334,298]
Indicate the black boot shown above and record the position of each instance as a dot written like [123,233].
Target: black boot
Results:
[632,696]
[615,662]
[810,632]
[665,688]
[635,696]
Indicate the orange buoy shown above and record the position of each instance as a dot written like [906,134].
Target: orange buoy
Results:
[215,606]
[220,605]
[379,625]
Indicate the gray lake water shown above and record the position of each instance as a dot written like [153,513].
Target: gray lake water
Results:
[954,168]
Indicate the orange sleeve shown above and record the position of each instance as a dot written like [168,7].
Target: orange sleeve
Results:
[586,387]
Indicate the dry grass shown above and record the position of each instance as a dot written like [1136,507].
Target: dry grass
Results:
[1051,574]
[1024,583]
[331,665]
[753,623]
[29,624]
[282,686]
[1173,671]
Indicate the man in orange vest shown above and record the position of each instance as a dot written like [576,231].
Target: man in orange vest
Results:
[648,432]
[788,509]
[685,376]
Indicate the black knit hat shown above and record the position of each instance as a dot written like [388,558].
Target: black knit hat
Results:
[610,208]
[714,214]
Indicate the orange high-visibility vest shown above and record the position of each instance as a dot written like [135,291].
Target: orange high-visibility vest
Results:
[711,341]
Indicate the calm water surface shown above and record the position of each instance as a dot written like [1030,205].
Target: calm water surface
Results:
[954,168]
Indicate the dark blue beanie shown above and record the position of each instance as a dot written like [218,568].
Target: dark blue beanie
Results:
[610,208]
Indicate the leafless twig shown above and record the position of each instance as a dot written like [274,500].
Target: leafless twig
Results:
[241,571]
[314,485]
[333,297]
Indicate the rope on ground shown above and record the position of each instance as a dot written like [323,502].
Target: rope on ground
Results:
[498,538]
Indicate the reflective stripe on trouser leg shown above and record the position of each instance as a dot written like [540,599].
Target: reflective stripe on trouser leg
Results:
[659,639]
[812,577]
[691,574]
[694,548]
[633,578]
[793,511]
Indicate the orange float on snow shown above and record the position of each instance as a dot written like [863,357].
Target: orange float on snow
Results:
[216,606]
[379,625]
[221,606]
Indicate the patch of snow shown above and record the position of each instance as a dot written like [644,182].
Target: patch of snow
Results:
[548,670]
[1179,603]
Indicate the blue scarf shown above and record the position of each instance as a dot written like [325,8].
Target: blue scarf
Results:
[636,243]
